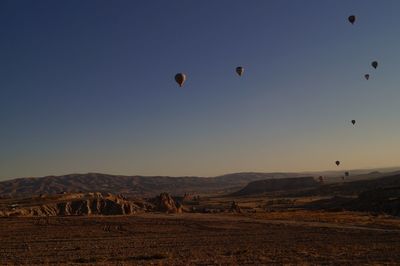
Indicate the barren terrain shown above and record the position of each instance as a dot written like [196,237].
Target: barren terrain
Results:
[269,222]
[185,239]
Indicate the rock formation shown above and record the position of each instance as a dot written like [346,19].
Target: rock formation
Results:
[235,207]
[74,204]
[165,203]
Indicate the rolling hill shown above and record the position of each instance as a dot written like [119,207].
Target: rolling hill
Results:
[147,186]
[282,184]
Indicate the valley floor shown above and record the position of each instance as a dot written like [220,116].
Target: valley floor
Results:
[287,237]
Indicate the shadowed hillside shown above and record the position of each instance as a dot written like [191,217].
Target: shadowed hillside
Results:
[378,201]
[283,184]
[352,188]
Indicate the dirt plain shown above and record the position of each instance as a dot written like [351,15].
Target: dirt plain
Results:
[279,237]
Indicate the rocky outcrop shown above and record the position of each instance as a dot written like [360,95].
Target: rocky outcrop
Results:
[76,204]
[165,203]
[235,208]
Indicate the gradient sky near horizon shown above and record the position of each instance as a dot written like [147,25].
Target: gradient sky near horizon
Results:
[88,86]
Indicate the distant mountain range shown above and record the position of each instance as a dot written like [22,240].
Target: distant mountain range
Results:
[149,186]
[129,185]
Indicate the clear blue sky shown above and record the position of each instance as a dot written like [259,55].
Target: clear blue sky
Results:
[88,86]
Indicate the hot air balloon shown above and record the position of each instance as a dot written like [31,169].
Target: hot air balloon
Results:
[180,79]
[337,163]
[346,173]
[366,76]
[353,122]
[374,64]
[239,70]
[352,19]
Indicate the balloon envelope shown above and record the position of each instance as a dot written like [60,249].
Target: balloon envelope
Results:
[180,79]
[352,19]
[374,64]
[239,70]
[366,76]
[353,121]
[337,163]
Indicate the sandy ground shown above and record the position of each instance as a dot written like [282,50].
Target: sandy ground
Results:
[201,239]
